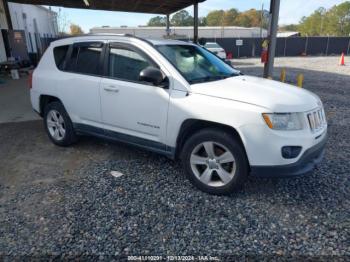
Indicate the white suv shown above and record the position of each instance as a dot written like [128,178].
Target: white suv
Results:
[180,100]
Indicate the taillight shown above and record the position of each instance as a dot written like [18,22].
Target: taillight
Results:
[30,79]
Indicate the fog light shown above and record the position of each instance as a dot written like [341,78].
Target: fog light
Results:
[291,151]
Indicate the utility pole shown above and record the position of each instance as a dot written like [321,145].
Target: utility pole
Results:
[195,23]
[272,38]
[168,25]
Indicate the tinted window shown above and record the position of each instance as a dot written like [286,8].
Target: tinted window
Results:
[60,55]
[125,63]
[85,59]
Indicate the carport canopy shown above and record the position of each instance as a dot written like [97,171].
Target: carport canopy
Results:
[140,6]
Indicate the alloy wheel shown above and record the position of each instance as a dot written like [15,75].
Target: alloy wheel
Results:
[56,125]
[213,164]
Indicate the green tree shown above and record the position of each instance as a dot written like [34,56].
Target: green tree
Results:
[203,21]
[334,21]
[338,20]
[242,20]
[249,18]
[314,24]
[182,18]
[216,18]
[291,27]
[157,21]
[230,17]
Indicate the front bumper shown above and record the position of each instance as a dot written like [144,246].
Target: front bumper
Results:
[306,163]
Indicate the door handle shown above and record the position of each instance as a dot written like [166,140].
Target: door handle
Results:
[111,89]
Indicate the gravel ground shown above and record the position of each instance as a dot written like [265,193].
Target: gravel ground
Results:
[153,210]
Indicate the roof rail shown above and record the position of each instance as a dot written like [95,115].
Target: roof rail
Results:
[125,35]
[111,34]
[106,34]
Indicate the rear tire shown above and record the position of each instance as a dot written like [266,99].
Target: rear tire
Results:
[58,125]
[215,161]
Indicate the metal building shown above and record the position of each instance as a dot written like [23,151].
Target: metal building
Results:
[30,23]
[183,32]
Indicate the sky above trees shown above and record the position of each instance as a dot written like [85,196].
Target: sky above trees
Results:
[291,12]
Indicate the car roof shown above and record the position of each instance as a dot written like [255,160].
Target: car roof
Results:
[96,37]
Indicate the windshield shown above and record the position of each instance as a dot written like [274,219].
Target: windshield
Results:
[197,64]
[212,45]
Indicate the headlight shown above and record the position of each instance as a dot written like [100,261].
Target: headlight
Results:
[283,121]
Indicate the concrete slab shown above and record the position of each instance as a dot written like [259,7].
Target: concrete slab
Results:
[15,101]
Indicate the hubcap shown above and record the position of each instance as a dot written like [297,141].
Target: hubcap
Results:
[56,125]
[213,164]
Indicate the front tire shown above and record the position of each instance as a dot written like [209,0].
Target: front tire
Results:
[215,161]
[58,125]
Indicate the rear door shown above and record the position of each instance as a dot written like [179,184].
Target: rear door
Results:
[81,82]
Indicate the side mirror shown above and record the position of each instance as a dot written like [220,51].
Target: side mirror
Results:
[151,75]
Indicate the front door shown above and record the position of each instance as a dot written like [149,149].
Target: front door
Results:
[131,107]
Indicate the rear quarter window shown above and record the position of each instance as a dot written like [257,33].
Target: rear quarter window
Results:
[60,53]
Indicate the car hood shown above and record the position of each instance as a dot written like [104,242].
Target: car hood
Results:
[273,95]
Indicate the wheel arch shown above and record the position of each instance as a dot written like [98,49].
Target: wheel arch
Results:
[191,126]
[45,100]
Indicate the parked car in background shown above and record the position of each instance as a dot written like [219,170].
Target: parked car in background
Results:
[216,49]
[180,100]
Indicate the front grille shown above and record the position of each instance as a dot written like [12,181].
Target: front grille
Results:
[317,120]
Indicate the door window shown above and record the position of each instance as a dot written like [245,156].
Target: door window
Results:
[126,63]
[85,59]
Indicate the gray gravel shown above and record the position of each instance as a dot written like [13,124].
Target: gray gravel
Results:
[153,210]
